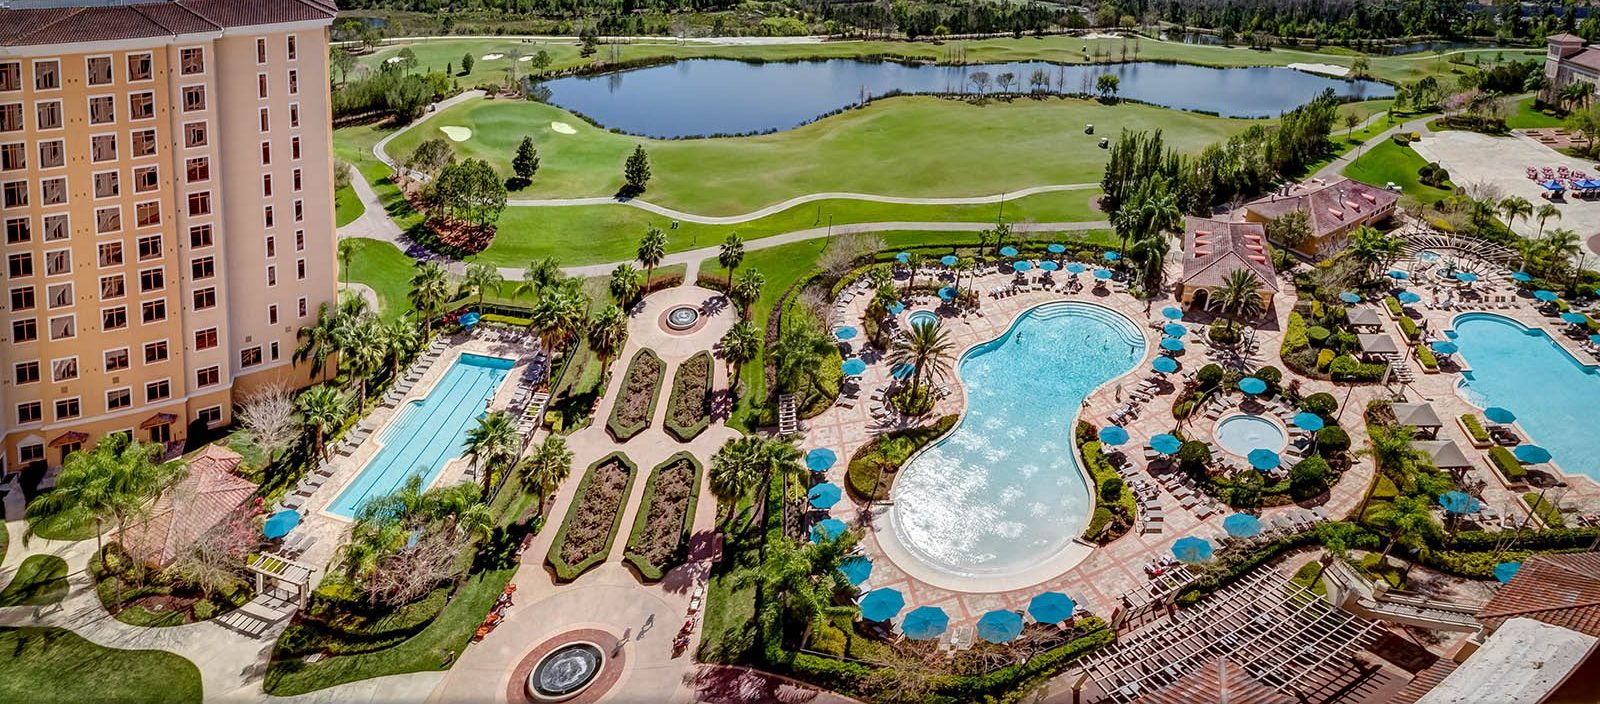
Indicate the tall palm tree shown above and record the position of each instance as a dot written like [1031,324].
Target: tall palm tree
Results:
[1373,250]
[607,334]
[1408,520]
[316,341]
[1239,297]
[547,466]
[625,284]
[740,345]
[346,252]
[652,249]
[114,482]
[736,468]
[480,279]
[913,263]
[493,442]
[1515,207]
[402,340]
[364,351]
[386,525]
[747,290]
[539,274]
[430,291]
[782,461]
[322,410]
[927,349]
[731,254]
[1545,212]
[801,351]
[964,266]
[1150,251]
[801,580]
[560,313]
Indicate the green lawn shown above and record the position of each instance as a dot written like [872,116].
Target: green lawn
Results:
[40,579]
[1391,162]
[1524,116]
[346,206]
[47,665]
[387,270]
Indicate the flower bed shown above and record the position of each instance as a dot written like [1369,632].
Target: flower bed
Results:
[1476,433]
[591,524]
[689,408]
[660,536]
[1507,463]
[636,400]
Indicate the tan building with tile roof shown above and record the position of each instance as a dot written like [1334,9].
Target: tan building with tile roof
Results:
[1334,208]
[1214,249]
[194,506]
[1568,59]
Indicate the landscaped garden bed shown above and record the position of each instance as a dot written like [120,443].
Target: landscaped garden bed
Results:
[689,407]
[660,536]
[636,400]
[140,596]
[591,523]
[873,466]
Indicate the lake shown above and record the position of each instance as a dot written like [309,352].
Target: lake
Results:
[700,97]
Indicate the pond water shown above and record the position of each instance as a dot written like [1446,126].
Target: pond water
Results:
[701,97]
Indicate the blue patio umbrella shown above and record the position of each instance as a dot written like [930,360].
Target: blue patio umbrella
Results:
[1021,265]
[279,524]
[903,257]
[1008,251]
[1252,385]
[1172,313]
[1192,549]
[854,366]
[1166,443]
[1113,435]
[1263,459]
[823,495]
[1546,295]
[1174,330]
[895,308]
[1308,421]
[1350,297]
[1521,277]
[1594,339]
[1496,414]
[1051,607]
[947,293]
[1398,275]
[1531,454]
[1242,525]
[1164,364]
[1574,318]
[1443,347]
[1409,297]
[1172,344]
[925,623]
[1000,626]
[827,529]
[1056,248]
[882,604]
[844,332]
[1103,274]
[1112,256]
[1504,571]
[1048,265]
[1076,268]
[469,319]
[820,459]
[856,569]
[1458,502]
[902,370]
[949,260]
[1466,277]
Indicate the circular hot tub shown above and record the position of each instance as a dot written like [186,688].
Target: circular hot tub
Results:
[1241,433]
[565,672]
[683,317]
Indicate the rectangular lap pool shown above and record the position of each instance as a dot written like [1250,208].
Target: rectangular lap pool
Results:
[428,433]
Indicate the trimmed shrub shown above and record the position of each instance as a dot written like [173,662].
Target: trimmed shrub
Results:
[1111,489]
[862,477]
[1475,429]
[1210,375]
[636,400]
[1325,359]
[1119,509]
[660,536]
[1343,367]
[1321,403]
[1318,335]
[1309,478]
[1333,440]
[1393,304]
[689,406]
[1426,358]
[1272,375]
[591,522]
[1193,455]
[1409,328]
[1508,464]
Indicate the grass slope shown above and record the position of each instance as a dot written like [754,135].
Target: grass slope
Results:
[39,580]
[47,665]
[1391,162]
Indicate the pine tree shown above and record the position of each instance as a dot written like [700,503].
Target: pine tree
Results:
[526,162]
[637,170]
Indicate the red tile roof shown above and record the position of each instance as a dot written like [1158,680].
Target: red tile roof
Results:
[67,25]
[1213,249]
[1561,590]
[1588,58]
[1216,680]
[191,508]
[1331,205]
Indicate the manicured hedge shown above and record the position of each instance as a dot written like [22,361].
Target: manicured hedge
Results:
[1546,511]
[1426,357]
[592,519]
[660,536]
[1410,329]
[689,407]
[635,404]
[1103,528]
[1475,429]
[1508,464]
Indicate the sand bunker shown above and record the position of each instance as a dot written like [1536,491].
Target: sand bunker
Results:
[492,57]
[392,60]
[526,58]
[1327,69]
[456,133]
[562,128]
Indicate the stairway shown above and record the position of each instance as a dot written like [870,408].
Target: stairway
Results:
[1399,369]
[788,418]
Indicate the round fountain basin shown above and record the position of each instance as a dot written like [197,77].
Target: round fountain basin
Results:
[565,672]
[683,317]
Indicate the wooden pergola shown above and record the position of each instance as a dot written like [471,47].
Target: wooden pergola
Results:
[281,571]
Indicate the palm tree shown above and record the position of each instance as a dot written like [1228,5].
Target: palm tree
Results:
[652,249]
[731,254]
[1514,207]
[364,349]
[736,468]
[803,580]
[316,341]
[493,442]
[561,312]
[1577,92]
[1408,520]
[781,460]
[740,345]
[801,351]
[347,251]
[964,266]
[539,274]
[322,409]
[547,466]
[402,340]
[624,284]
[386,525]
[1545,212]
[747,291]
[480,278]
[1373,250]
[927,349]
[1239,297]
[607,334]
[1150,250]
[114,481]
[430,290]
[913,263]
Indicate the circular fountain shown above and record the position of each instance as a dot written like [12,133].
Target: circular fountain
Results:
[565,672]
[682,318]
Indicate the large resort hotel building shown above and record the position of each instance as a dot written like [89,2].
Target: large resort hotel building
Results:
[167,182]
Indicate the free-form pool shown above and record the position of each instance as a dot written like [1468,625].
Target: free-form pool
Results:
[1523,370]
[427,433]
[1003,492]
[1241,433]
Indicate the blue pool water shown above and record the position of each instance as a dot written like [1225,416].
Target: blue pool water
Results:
[1002,492]
[921,317]
[1522,369]
[428,433]
[1239,434]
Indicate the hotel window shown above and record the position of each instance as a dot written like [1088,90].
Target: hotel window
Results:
[22,299]
[139,67]
[118,399]
[250,356]
[272,275]
[267,217]
[11,117]
[64,369]
[300,269]
[272,246]
[26,372]
[30,412]
[68,408]
[272,314]
[141,106]
[103,147]
[266,153]
[107,185]
[199,204]
[299,240]
[52,154]
[144,143]
[147,214]
[304,306]
[261,85]
[152,280]
[210,415]
[58,262]
[102,110]
[46,75]
[203,268]
[19,230]
[200,236]
[198,169]
[153,311]
[28,454]
[55,227]
[294,148]
[299,211]
[13,157]
[10,76]
[266,123]
[205,298]
[261,51]
[194,134]
[59,295]
[110,254]
[294,82]
[194,98]
[298,177]
[149,247]
[272,351]
[64,327]
[53,191]
[146,179]
[192,61]
[114,318]
[205,339]
[20,265]
[108,219]
[157,391]
[25,330]
[113,287]
[266,185]
[294,114]
[210,376]
[293,50]
[99,70]
[117,360]
[16,194]
[47,115]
